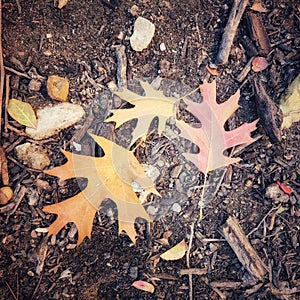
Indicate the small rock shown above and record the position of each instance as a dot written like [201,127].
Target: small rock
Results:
[53,119]
[33,156]
[176,207]
[162,47]
[274,192]
[134,10]
[34,85]
[143,33]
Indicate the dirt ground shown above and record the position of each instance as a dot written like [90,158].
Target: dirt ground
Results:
[79,42]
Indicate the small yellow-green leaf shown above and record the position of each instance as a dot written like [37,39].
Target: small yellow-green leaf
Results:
[22,112]
[176,252]
[144,286]
[279,210]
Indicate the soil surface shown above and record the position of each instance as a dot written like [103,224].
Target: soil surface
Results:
[80,42]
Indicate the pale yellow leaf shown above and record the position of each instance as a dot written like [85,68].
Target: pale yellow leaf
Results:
[290,104]
[176,252]
[58,88]
[22,112]
[152,104]
[144,286]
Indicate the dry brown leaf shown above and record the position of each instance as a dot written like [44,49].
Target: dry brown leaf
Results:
[22,112]
[58,88]
[110,176]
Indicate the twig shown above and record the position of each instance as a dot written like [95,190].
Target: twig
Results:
[19,7]
[230,30]
[2,71]
[7,93]
[263,219]
[11,291]
[188,261]
[17,72]
[194,271]
[17,199]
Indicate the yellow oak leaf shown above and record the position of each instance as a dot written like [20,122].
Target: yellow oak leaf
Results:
[153,104]
[110,176]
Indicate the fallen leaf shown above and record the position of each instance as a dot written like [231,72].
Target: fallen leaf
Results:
[290,104]
[211,138]
[284,187]
[176,252]
[212,71]
[58,88]
[60,3]
[110,176]
[257,6]
[259,64]
[153,104]
[144,286]
[22,112]
[164,240]
[280,210]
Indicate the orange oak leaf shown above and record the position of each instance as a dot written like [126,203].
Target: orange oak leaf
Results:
[110,176]
[211,138]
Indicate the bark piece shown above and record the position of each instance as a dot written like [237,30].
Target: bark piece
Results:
[246,254]
[121,66]
[269,113]
[3,167]
[230,30]
[259,33]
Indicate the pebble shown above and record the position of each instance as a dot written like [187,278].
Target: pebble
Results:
[143,33]
[176,207]
[162,47]
[53,119]
[33,156]
[34,85]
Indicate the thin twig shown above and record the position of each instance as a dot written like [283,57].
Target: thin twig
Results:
[17,72]
[188,261]
[7,93]
[10,289]
[2,71]
[263,219]
[19,7]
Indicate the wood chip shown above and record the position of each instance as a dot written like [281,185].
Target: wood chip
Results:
[258,33]
[246,254]
[270,114]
